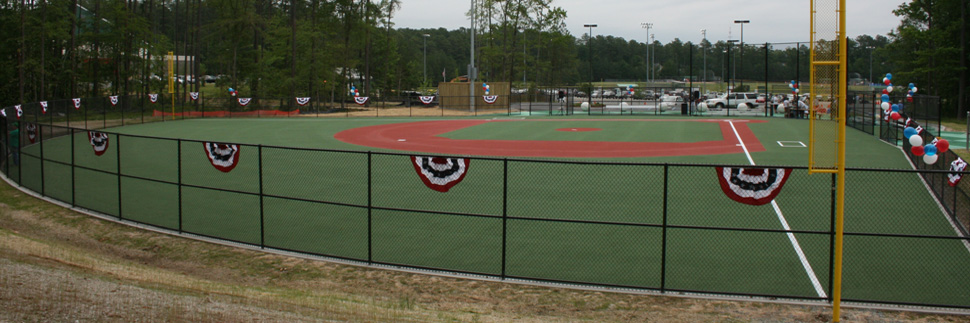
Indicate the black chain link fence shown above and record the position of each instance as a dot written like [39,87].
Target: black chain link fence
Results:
[664,227]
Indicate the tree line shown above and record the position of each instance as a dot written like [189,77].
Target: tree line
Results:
[287,48]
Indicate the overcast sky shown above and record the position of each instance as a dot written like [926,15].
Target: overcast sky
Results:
[771,20]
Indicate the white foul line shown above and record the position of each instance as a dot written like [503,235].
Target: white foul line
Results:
[784,223]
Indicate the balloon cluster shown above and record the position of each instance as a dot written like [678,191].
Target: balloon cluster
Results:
[486,88]
[794,87]
[233,92]
[353,90]
[912,90]
[888,81]
[629,89]
[931,150]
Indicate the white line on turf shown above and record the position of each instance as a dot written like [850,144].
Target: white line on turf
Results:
[784,223]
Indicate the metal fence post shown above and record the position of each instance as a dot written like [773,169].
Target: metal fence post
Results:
[262,223]
[663,242]
[505,209]
[370,220]
[118,165]
[179,147]
[73,168]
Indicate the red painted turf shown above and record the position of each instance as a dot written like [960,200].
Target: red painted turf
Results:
[423,136]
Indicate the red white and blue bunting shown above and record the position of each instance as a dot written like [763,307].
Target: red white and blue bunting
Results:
[153,97]
[99,141]
[361,100]
[31,131]
[3,112]
[490,99]
[113,99]
[426,99]
[440,173]
[244,101]
[223,157]
[956,167]
[20,111]
[77,103]
[752,186]
[303,101]
[194,96]
[43,106]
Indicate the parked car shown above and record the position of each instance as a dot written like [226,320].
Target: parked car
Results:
[739,100]
[671,102]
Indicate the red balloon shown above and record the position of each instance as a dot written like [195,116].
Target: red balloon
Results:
[942,146]
[917,150]
[887,82]
[895,116]
[909,99]
[885,91]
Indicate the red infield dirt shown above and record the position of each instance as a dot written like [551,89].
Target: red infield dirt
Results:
[423,136]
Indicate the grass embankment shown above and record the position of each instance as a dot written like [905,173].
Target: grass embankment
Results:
[58,265]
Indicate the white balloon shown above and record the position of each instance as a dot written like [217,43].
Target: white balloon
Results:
[916,140]
[930,159]
[914,89]
[886,106]
[584,106]
[889,89]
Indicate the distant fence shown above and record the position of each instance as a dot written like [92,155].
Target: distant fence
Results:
[660,227]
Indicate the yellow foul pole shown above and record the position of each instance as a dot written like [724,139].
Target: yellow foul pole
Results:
[171,80]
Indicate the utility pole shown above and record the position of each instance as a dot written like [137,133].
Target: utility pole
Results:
[647,25]
[742,22]
[704,79]
[471,65]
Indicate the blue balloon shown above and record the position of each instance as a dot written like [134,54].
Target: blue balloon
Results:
[911,85]
[930,149]
[896,108]
[909,132]
[889,76]
[885,98]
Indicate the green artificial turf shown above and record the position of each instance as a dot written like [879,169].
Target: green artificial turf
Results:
[317,202]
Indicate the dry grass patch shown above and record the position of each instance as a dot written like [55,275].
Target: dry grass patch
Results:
[58,265]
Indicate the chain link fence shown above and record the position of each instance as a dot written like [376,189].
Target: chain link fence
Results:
[666,227]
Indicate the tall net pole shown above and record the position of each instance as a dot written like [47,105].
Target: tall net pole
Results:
[827,105]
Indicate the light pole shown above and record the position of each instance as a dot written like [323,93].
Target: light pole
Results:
[589,54]
[425,36]
[731,76]
[647,25]
[742,22]
[653,72]
[471,63]
[704,79]
[870,48]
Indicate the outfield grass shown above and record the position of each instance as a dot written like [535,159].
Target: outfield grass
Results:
[316,202]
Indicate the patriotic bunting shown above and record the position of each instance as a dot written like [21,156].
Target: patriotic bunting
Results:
[490,99]
[303,101]
[43,106]
[753,186]
[3,112]
[77,103]
[31,132]
[426,99]
[20,111]
[956,167]
[153,97]
[113,99]
[223,157]
[99,141]
[244,101]
[440,173]
[194,96]
[361,100]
